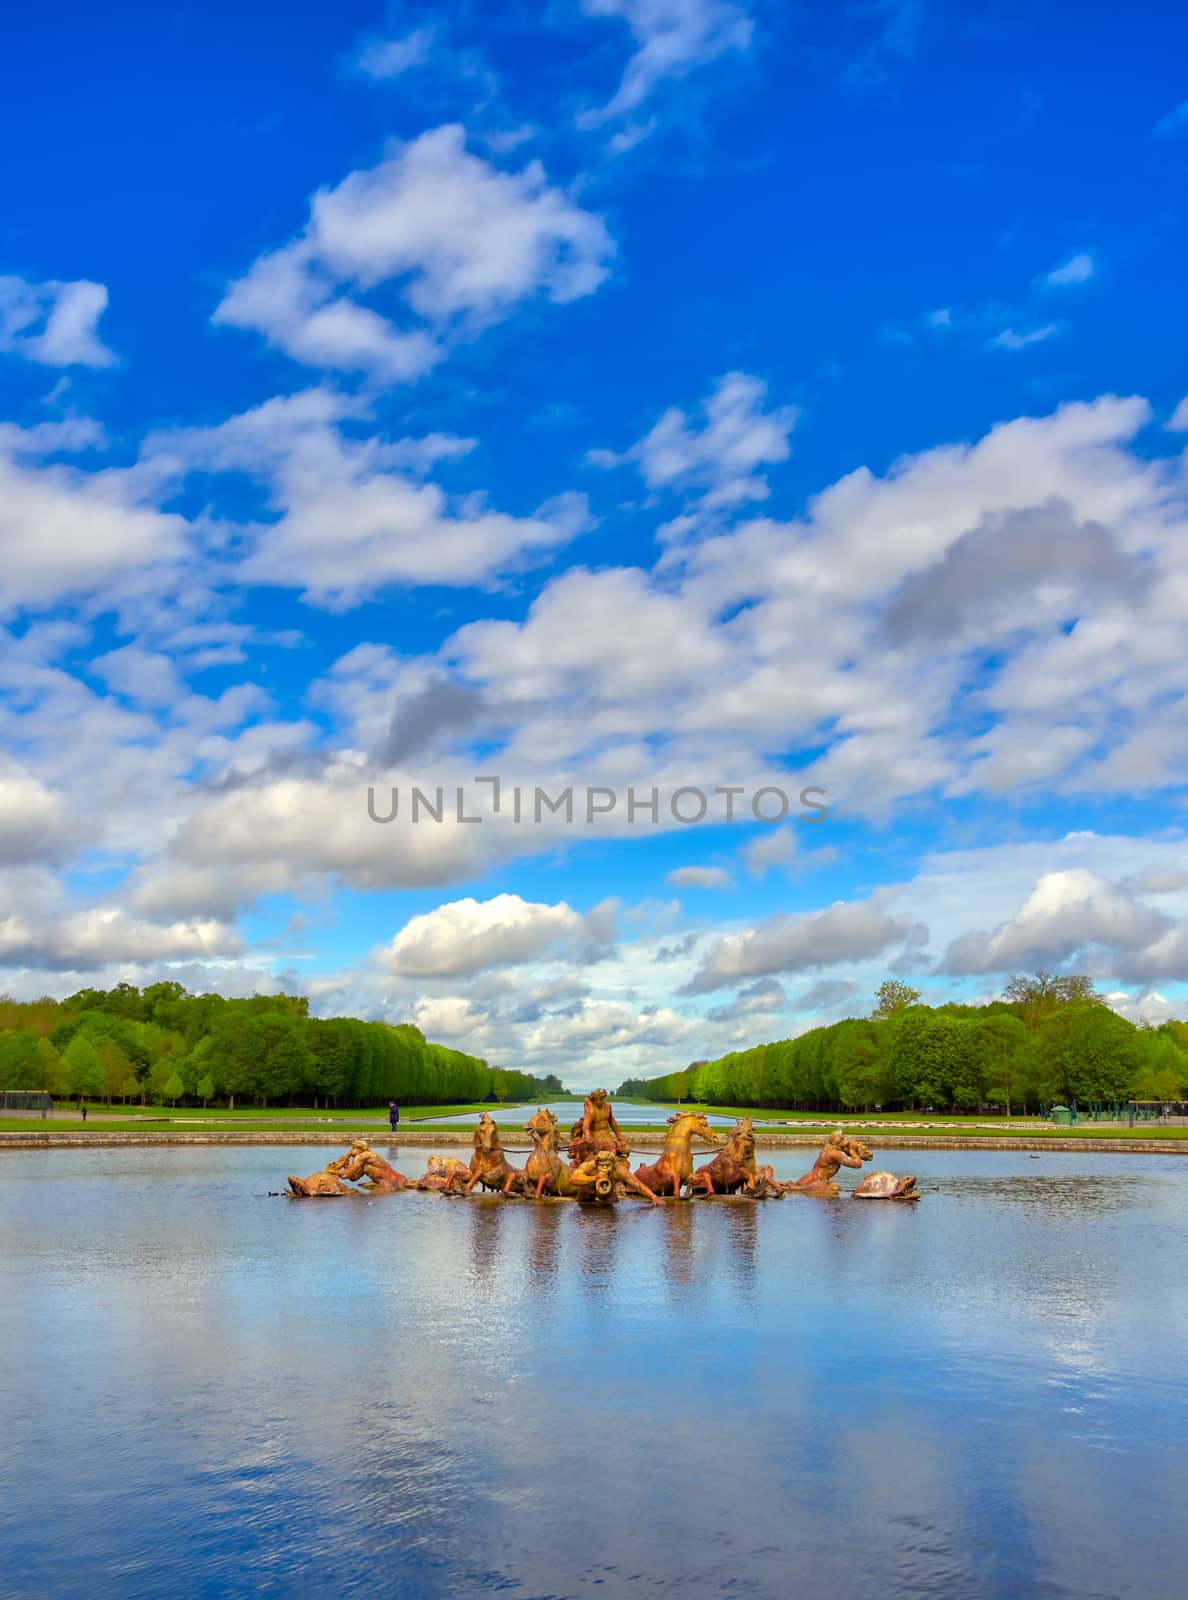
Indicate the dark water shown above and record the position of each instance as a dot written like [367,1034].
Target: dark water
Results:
[206,1392]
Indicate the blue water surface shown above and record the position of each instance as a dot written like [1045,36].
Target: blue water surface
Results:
[211,1392]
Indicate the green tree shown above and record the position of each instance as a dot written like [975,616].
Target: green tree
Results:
[173,1088]
[892,998]
[205,1087]
[84,1070]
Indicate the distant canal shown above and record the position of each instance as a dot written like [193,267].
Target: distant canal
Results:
[210,1393]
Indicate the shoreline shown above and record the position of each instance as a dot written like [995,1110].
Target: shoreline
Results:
[462,1138]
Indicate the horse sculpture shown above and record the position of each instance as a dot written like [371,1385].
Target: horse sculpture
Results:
[488,1165]
[840,1150]
[734,1167]
[674,1169]
[544,1166]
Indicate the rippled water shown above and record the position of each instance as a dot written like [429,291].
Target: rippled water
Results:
[207,1392]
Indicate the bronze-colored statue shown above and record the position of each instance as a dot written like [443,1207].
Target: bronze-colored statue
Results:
[444,1173]
[362,1162]
[596,1129]
[488,1165]
[605,1177]
[674,1169]
[319,1184]
[544,1169]
[886,1186]
[840,1150]
[734,1168]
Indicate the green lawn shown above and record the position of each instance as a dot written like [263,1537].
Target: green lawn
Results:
[251,1119]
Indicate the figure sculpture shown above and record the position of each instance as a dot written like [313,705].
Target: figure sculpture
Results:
[840,1150]
[734,1167]
[605,1177]
[674,1168]
[362,1162]
[320,1184]
[596,1129]
[444,1173]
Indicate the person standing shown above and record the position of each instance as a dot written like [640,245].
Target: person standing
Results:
[84,1113]
[393,1115]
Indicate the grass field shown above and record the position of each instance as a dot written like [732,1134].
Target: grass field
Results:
[374,1120]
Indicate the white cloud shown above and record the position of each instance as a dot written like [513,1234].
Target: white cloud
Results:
[388,58]
[1066,912]
[52,323]
[35,822]
[720,459]
[464,241]
[468,936]
[1179,417]
[673,38]
[356,514]
[64,531]
[1078,268]
[700,878]
[847,931]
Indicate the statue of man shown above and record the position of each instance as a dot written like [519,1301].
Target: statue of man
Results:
[597,1129]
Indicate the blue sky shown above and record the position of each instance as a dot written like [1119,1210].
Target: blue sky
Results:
[605,393]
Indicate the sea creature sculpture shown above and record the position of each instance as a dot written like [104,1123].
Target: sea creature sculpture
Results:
[840,1150]
[674,1169]
[886,1186]
[734,1168]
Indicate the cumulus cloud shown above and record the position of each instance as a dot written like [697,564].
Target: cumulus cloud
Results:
[65,531]
[35,823]
[86,940]
[463,241]
[355,514]
[673,38]
[468,936]
[1016,568]
[1067,912]
[719,459]
[846,931]
[52,323]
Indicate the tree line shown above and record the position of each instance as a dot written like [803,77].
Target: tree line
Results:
[1050,1040]
[163,1044]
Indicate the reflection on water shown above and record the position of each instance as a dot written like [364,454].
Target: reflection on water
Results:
[212,1393]
[567,1112]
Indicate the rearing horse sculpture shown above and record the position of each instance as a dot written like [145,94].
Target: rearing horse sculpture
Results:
[735,1168]
[674,1169]
[544,1166]
[488,1165]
